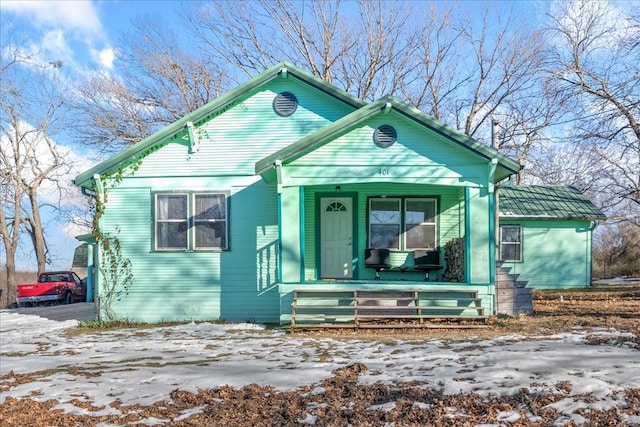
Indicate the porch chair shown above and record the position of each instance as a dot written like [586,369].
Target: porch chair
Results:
[426,261]
[378,259]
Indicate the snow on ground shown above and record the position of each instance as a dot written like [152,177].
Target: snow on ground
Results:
[144,365]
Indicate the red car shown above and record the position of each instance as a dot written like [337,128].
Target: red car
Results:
[63,287]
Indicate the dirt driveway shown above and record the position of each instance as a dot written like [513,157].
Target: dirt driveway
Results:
[82,312]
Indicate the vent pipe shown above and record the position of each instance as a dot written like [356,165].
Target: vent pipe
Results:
[494,133]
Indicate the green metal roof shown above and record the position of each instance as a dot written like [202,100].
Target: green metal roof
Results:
[283,69]
[546,202]
[506,165]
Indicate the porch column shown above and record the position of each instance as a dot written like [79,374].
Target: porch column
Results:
[478,242]
[291,221]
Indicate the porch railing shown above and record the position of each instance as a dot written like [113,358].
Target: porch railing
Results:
[368,308]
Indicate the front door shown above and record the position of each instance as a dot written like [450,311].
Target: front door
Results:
[336,237]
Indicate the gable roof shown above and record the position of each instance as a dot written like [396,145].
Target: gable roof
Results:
[546,202]
[506,165]
[219,105]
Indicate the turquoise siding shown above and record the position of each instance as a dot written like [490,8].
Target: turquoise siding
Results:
[418,155]
[234,285]
[556,253]
[231,143]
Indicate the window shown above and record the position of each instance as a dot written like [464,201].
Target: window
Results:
[403,223]
[420,223]
[511,243]
[186,221]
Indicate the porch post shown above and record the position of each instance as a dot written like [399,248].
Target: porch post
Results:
[291,226]
[478,230]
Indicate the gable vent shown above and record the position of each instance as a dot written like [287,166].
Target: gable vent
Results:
[384,136]
[285,104]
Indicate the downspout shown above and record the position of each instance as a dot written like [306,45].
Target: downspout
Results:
[99,195]
[302,237]
[493,222]
[592,228]
[278,166]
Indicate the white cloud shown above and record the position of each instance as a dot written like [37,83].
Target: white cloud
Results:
[70,32]
[104,57]
[69,15]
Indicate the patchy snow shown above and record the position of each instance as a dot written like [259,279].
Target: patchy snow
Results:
[142,366]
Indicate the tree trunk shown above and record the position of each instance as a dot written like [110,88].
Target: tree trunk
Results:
[8,288]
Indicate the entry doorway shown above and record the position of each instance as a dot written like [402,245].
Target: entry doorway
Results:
[336,238]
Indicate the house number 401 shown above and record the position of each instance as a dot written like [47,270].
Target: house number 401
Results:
[383,171]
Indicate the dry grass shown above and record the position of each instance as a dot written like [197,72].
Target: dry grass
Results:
[611,307]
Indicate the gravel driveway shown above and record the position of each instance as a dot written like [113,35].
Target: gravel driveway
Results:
[82,311]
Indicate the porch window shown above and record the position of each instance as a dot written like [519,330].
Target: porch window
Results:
[384,223]
[511,243]
[403,223]
[187,221]
[420,224]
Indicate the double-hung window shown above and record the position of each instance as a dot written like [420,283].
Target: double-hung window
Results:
[191,221]
[403,223]
[511,243]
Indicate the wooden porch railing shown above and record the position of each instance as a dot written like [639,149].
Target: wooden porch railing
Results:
[384,308]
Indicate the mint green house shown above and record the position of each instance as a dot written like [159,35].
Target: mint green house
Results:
[546,233]
[281,185]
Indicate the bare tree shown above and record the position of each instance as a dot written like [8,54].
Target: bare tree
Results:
[29,160]
[158,83]
[596,57]
[365,48]
[440,60]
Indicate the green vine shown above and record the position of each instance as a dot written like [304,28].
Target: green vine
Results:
[115,270]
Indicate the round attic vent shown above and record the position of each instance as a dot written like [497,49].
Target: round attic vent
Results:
[384,136]
[285,104]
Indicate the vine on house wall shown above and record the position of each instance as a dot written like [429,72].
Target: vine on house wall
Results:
[116,270]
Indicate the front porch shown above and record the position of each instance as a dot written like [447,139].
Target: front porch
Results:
[384,304]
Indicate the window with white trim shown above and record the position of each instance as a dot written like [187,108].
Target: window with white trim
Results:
[191,221]
[511,243]
[403,223]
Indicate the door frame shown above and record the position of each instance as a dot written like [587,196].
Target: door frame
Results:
[318,230]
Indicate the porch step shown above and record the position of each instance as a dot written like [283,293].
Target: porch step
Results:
[512,296]
[383,308]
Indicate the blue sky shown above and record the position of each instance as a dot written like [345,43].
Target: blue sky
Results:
[84,36]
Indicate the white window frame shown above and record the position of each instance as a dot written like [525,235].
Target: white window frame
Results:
[191,221]
[504,244]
